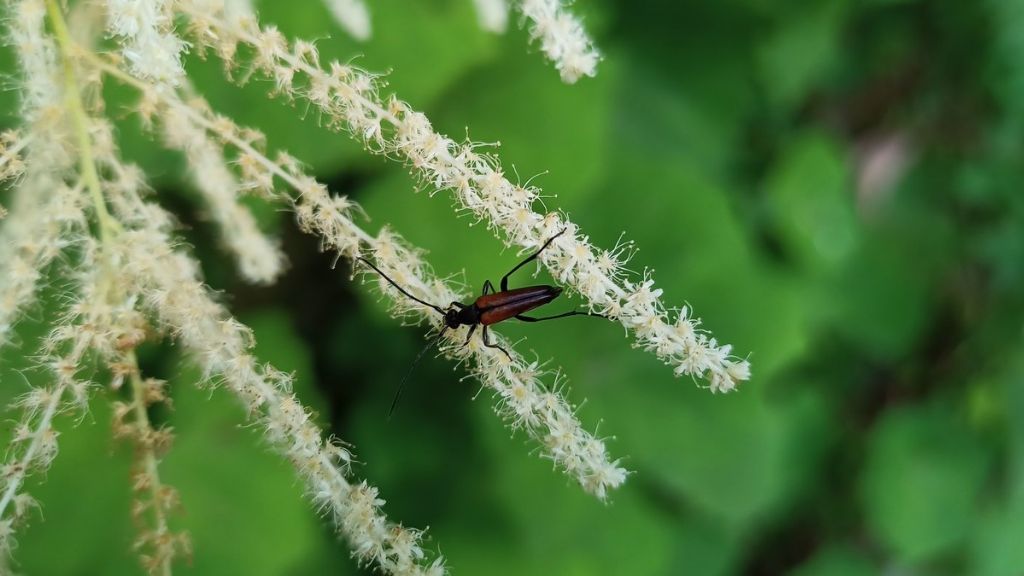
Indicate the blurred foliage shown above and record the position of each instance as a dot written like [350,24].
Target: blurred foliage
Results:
[734,141]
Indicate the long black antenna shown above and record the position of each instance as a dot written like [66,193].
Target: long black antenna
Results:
[395,284]
[401,385]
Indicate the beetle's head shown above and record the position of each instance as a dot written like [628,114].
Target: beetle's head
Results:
[451,317]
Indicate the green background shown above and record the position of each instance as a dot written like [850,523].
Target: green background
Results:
[883,428]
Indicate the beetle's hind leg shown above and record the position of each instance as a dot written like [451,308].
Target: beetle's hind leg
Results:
[487,342]
[530,258]
[526,318]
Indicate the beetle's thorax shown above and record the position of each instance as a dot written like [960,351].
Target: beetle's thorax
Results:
[466,316]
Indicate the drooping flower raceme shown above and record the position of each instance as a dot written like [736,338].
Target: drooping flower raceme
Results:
[492,14]
[561,37]
[352,16]
[148,42]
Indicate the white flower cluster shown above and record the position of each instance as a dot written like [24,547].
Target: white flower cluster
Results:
[259,259]
[36,56]
[11,163]
[145,31]
[352,16]
[45,215]
[562,38]
[492,14]
[31,240]
[100,322]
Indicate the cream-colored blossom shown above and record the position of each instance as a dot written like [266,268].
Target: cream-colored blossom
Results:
[39,82]
[145,31]
[492,14]
[31,241]
[11,163]
[561,37]
[352,16]
[45,214]
[259,259]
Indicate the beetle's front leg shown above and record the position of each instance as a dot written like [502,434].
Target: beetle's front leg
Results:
[487,342]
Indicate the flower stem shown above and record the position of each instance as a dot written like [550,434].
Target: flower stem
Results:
[72,96]
[149,461]
[15,482]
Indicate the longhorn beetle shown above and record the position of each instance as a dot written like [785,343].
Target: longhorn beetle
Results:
[489,308]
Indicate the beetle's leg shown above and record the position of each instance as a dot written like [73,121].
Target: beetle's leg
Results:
[489,344]
[488,287]
[526,318]
[470,335]
[531,258]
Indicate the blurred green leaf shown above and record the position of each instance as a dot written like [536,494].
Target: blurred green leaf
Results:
[1005,73]
[676,99]
[800,50]
[684,222]
[921,482]
[704,546]
[837,560]
[8,98]
[995,543]
[883,295]
[812,203]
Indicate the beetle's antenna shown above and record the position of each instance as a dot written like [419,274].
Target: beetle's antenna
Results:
[395,284]
[401,385]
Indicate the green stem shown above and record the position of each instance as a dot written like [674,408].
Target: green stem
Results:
[149,460]
[108,225]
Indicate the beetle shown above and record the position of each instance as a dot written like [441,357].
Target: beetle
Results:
[489,308]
